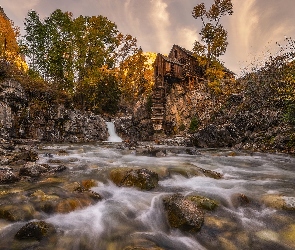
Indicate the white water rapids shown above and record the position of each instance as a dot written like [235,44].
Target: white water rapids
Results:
[128,217]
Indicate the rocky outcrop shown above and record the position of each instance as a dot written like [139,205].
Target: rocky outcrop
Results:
[43,120]
[245,128]
[184,102]
[137,126]
[70,125]
[183,213]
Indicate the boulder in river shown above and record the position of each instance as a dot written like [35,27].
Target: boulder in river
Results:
[17,212]
[279,201]
[33,169]
[183,213]
[35,230]
[140,178]
[7,176]
[239,200]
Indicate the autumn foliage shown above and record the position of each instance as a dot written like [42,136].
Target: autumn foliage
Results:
[87,58]
[9,49]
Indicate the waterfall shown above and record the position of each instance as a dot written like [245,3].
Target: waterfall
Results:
[113,137]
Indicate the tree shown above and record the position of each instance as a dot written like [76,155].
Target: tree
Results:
[9,49]
[136,76]
[80,54]
[213,35]
[274,83]
[214,42]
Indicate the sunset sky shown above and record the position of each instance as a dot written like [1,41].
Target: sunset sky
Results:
[253,29]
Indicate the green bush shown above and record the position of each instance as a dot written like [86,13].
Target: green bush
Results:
[194,125]
[289,115]
[181,127]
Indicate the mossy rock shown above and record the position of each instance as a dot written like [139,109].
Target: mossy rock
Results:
[117,175]
[140,178]
[278,201]
[41,196]
[288,235]
[191,171]
[186,172]
[72,204]
[87,184]
[203,202]
[35,230]
[211,173]
[183,213]
[17,212]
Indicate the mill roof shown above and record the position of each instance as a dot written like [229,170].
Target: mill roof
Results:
[171,60]
[188,52]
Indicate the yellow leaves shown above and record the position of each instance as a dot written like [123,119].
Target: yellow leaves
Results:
[202,60]
[9,49]
[215,87]
[21,64]
[137,75]
[215,73]
[150,59]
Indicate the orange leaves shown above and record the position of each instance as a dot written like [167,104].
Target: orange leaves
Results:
[8,44]
[9,49]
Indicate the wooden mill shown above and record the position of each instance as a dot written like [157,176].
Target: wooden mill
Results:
[179,66]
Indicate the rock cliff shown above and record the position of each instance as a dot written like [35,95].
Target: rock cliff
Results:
[21,117]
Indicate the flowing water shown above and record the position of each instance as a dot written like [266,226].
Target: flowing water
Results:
[131,217]
[113,137]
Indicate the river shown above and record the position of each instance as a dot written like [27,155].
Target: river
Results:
[128,217]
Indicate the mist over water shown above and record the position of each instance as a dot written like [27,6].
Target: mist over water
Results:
[132,217]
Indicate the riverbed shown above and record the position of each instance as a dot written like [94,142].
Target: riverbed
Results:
[255,197]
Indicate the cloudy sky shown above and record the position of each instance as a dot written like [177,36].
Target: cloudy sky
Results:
[253,29]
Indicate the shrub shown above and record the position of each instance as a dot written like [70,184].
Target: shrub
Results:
[194,125]
[181,127]
[289,115]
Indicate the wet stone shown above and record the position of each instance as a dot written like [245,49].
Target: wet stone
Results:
[72,204]
[117,175]
[211,173]
[278,201]
[203,202]
[183,213]
[59,168]
[140,178]
[17,212]
[151,151]
[239,200]
[33,169]
[27,155]
[7,176]
[87,184]
[36,230]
